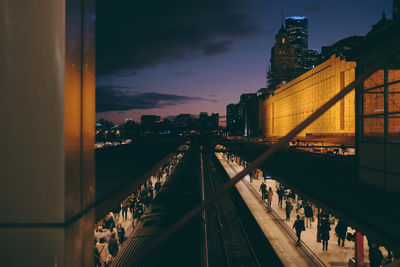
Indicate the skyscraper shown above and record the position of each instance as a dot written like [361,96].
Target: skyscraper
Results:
[233,121]
[297,30]
[248,110]
[312,59]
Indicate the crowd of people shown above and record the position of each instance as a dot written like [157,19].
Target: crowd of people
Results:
[307,214]
[109,231]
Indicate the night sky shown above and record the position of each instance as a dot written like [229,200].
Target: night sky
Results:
[184,56]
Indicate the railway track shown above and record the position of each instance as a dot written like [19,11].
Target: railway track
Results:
[312,257]
[228,241]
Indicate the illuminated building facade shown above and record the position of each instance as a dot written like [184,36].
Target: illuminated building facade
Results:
[295,101]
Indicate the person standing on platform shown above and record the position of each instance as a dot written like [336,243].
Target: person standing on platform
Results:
[113,245]
[263,189]
[324,231]
[131,202]
[157,186]
[121,233]
[270,194]
[309,214]
[280,196]
[116,212]
[125,205]
[288,209]
[299,226]
[341,230]
[375,255]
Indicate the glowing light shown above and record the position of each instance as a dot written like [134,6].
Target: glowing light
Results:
[297,17]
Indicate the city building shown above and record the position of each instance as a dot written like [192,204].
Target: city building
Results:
[282,68]
[370,113]
[183,123]
[248,111]
[313,59]
[340,47]
[378,109]
[150,124]
[208,123]
[297,31]
[290,56]
[204,121]
[296,100]
[233,120]
[214,121]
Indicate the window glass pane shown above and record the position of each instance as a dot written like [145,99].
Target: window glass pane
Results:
[373,104]
[393,76]
[374,128]
[374,80]
[393,102]
[394,128]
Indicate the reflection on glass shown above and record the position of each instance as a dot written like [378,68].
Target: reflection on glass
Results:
[394,128]
[393,75]
[374,80]
[374,128]
[373,103]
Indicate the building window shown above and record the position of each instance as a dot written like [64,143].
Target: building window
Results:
[284,65]
[381,100]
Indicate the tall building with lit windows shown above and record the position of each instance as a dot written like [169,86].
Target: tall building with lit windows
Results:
[290,56]
[297,30]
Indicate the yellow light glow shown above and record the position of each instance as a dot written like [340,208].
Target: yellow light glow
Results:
[296,100]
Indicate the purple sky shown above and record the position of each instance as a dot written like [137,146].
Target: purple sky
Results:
[166,63]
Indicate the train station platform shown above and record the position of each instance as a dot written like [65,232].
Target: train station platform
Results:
[280,232]
[127,224]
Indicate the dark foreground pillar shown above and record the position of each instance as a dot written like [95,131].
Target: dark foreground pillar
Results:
[47,113]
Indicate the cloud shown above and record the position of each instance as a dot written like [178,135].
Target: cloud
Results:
[133,35]
[217,48]
[184,73]
[314,8]
[111,98]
